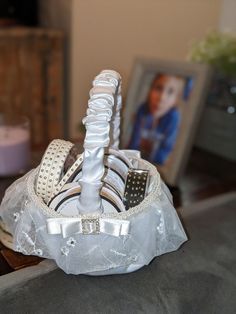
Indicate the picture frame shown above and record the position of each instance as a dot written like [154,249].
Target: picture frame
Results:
[172,76]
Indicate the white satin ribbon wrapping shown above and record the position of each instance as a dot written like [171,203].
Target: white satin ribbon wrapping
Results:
[112,79]
[103,117]
[70,226]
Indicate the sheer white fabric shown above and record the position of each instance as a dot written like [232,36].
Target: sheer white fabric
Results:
[155,229]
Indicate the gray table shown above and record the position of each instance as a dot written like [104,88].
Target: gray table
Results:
[198,278]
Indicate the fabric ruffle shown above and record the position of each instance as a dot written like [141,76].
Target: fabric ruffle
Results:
[155,230]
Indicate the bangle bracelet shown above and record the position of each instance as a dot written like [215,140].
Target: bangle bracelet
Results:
[51,168]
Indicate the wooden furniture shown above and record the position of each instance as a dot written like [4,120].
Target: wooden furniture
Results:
[217,132]
[206,175]
[31,71]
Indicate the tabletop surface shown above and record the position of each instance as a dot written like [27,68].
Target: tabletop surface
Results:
[197,278]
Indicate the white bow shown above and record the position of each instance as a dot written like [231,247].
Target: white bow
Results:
[69,226]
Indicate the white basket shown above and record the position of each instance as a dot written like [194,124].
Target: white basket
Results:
[95,242]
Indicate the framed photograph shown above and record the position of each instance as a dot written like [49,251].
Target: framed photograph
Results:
[162,110]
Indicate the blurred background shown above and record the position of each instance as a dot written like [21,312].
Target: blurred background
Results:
[111,34]
[50,51]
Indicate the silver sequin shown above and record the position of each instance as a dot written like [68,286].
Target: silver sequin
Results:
[65,250]
[39,252]
[16,216]
[71,242]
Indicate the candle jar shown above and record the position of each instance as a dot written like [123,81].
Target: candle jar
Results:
[14,145]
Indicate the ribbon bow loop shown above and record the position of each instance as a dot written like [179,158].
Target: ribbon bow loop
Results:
[70,226]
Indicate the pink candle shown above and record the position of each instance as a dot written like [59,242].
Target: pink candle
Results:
[14,150]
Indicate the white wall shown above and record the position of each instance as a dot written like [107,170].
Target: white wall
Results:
[111,33]
[228,15]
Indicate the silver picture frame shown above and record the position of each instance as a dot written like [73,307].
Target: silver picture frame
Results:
[144,71]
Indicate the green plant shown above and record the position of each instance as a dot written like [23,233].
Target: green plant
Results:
[81,128]
[217,49]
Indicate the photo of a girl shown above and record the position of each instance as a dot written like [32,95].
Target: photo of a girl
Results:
[158,119]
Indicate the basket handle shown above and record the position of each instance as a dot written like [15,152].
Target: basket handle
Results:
[102,125]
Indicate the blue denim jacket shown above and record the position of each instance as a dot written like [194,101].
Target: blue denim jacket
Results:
[163,135]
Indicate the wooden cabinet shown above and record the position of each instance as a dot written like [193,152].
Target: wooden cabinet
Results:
[31,72]
[217,133]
